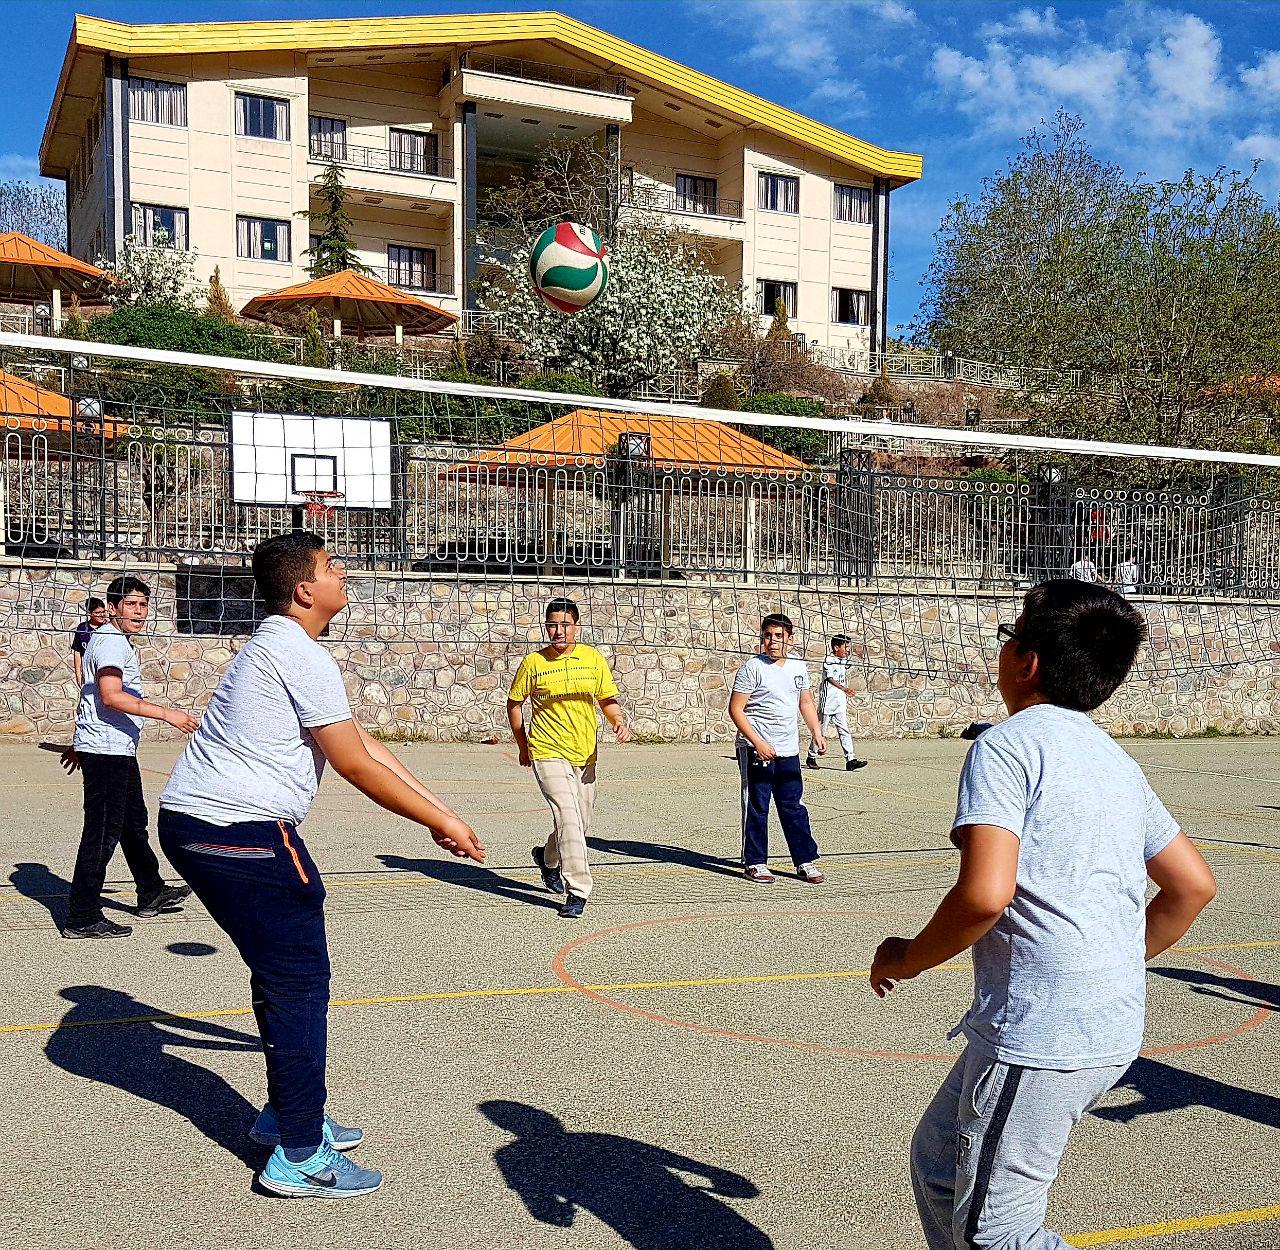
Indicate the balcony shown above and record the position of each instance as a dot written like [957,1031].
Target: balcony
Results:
[538,89]
[329,149]
[666,200]
[414,279]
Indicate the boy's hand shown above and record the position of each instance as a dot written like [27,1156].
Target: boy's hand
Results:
[526,760]
[820,745]
[889,965]
[180,720]
[621,733]
[765,751]
[459,839]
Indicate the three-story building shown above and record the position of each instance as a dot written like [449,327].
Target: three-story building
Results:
[216,133]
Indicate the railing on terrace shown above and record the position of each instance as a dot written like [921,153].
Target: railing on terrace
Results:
[165,495]
[540,71]
[668,200]
[420,164]
[414,278]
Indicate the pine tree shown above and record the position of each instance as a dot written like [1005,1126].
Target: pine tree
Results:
[74,325]
[334,248]
[314,353]
[781,327]
[219,303]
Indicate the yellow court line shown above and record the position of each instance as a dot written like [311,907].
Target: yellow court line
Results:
[1167,1228]
[526,991]
[1223,946]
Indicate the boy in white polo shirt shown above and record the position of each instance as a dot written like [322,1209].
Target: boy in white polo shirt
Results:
[229,823]
[833,703]
[770,694]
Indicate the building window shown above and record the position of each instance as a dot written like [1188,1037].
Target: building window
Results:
[162,103]
[261,117]
[696,195]
[260,238]
[329,138]
[415,151]
[853,204]
[154,225]
[769,292]
[779,193]
[412,268]
[850,308]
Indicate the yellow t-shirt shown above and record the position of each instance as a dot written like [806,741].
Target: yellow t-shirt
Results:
[564,690]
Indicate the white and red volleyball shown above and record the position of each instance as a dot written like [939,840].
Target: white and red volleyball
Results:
[569,266]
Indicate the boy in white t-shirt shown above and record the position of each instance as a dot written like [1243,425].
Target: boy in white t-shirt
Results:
[833,706]
[770,694]
[229,823]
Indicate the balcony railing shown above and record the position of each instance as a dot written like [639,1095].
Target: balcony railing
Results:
[540,71]
[421,165]
[414,278]
[666,200]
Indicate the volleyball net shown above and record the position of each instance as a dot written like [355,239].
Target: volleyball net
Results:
[461,509]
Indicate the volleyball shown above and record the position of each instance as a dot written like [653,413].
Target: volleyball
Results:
[569,266]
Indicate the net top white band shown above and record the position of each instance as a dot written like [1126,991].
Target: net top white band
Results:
[974,439]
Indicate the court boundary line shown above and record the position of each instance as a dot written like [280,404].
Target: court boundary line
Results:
[1171,1228]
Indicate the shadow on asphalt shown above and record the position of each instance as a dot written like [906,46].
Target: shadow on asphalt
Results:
[633,1187]
[486,880]
[42,885]
[1164,1088]
[140,1059]
[656,852]
[1238,990]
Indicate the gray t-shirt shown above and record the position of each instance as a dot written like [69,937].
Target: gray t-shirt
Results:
[1060,981]
[252,758]
[101,730]
[773,700]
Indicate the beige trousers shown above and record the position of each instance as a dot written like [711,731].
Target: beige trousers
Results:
[570,792]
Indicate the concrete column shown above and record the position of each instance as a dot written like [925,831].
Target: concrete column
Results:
[115,144]
[878,336]
[467,172]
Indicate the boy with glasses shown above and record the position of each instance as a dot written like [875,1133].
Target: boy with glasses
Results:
[1058,833]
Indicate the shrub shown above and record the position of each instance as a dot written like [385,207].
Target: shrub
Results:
[810,445]
[721,393]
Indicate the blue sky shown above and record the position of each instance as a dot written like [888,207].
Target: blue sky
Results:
[1162,87]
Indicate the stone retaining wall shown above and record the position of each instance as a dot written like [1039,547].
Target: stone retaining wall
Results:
[432,659]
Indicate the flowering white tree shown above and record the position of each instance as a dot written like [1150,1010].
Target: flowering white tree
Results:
[656,315]
[156,274]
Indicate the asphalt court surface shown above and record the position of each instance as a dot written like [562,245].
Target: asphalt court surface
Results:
[697,1062]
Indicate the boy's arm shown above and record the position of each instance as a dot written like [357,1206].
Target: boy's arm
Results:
[1186,888]
[809,711]
[113,695]
[515,718]
[985,887]
[738,714]
[78,665]
[384,755]
[612,710]
[344,749]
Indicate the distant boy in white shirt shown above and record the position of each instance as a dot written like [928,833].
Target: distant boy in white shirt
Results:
[770,694]
[229,822]
[833,706]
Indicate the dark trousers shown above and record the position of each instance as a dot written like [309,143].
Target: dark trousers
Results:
[260,884]
[782,781]
[115,814]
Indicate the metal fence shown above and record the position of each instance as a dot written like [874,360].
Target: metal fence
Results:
[166,495]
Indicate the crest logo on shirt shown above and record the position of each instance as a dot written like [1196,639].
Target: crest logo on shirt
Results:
[800,682]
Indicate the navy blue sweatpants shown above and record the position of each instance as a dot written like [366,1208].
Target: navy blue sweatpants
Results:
[782,781]
[263,890]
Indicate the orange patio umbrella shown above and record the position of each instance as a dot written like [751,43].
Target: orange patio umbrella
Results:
[32,271]
[353,300]
[26,406]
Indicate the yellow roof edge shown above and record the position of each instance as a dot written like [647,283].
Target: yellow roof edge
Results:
[95,34]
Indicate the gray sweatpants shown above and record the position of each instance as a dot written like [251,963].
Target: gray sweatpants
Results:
[988,1148]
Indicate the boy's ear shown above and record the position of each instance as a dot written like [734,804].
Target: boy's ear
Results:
[303,595]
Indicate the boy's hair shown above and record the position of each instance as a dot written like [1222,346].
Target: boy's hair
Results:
[776,618]
[93,604]
[280,563]
[840,640]
[1086,638]
[562,605]
[122,587]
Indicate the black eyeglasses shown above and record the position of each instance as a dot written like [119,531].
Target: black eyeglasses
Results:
[1006,633]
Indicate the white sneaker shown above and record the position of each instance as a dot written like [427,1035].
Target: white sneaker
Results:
[811,873]
[760,873]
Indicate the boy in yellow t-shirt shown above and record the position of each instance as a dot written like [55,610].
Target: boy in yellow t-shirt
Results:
[564,681]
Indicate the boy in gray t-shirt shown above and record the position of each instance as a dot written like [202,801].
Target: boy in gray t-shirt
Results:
[1058,833]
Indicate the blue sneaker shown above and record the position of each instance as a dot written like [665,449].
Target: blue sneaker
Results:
[327,1174]
[266,1131]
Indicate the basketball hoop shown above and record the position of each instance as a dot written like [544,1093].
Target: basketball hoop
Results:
[320,504]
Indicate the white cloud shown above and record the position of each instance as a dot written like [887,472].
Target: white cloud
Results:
[1263,79]
[1025,23]
[1185,68]
[14,165]
[893,11]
